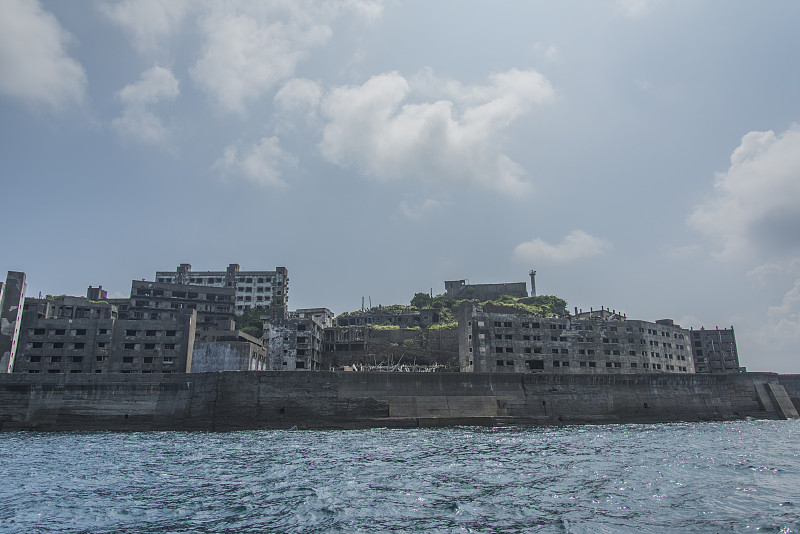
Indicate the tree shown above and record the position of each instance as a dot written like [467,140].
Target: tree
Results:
[421,300]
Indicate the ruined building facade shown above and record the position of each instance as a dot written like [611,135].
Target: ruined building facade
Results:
[12,298]
[82,335]
[506,343]
[715,351]
[253,290]
[459,289]
[156,300]
[294,343]
[403,318]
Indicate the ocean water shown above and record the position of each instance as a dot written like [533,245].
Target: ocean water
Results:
[701,477]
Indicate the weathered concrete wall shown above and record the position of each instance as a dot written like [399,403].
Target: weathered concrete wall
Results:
[12,299]
[211,356]
[267,399]
[792,385]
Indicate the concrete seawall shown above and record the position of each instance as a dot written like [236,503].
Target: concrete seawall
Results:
[256,399]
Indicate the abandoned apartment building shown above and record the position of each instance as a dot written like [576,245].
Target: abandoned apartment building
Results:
[66,334]
[591,343]
[252,289]
[715,351]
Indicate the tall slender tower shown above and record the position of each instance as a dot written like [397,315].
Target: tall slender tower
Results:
[533,283]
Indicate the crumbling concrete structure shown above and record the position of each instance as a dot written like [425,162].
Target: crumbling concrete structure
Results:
[507,343]
[323,316]
[459,289]
[80,335]
[715,351]
[294,343]
[229,351]
[404,318]
[12,297]
[254,290]
[156,300]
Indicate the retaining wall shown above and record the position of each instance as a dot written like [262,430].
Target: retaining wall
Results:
[284,399]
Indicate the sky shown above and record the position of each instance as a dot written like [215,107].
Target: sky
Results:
[642,155]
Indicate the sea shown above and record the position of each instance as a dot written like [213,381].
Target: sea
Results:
[741,476]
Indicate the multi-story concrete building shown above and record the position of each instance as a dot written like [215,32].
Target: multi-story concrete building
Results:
[506,343]
[294,343]
[715,351]
[460,289]
[84,335]
[12,297]
[403,318]
[157,300]
[254,290]
[324,316]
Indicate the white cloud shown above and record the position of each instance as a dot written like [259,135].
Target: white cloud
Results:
[755,209]
[780,334]
[34,65]
[454,138]
[368,10]
[248,47]
[299,96]
[244,58]
[769,272]
[146,21]
[252,46]
[137,120]
[418,211]
[635,8]
[548,52]
[576,245]
[261,163]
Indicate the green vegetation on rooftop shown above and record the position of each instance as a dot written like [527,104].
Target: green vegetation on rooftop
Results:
[541,306]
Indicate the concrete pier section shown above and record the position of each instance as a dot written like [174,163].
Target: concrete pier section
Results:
[345,400]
